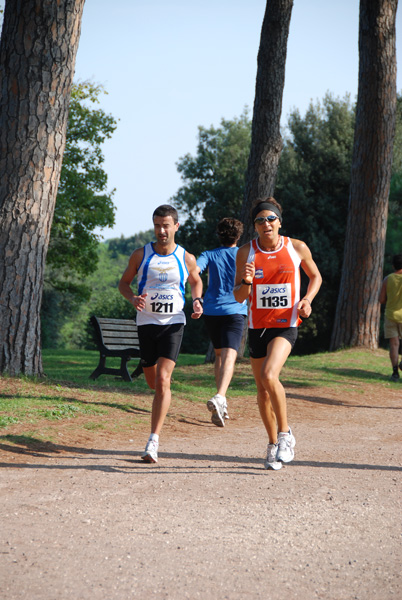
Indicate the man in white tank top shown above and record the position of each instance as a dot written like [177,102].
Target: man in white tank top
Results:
[162,269]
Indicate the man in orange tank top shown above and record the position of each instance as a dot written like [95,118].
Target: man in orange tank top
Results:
[268,273]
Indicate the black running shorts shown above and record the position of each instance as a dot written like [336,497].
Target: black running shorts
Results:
[158,341]
[225,331]
[258,339]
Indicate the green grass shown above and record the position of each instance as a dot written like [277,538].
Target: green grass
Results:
[75,366]
[67,397]
[344,368]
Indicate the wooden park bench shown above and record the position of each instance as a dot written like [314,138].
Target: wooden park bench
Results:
[116,337]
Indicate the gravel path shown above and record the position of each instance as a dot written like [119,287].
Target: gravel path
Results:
[208,521]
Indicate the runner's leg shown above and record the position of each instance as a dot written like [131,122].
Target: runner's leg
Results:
[278,351]
[227,364]
[264,402]
[163,396]
[150,376]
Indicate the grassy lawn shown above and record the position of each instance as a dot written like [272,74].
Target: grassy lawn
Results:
[66,397]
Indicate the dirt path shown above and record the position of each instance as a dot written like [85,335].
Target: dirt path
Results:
[208,521]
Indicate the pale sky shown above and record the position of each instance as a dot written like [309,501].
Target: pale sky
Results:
[171,65]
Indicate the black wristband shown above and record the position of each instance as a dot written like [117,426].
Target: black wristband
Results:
[245,282]
[200,300]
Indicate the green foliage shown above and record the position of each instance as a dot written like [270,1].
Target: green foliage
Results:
[57,308]
[127,246]
[195,337]
[393,243]
[105,301]
[213,182]
[313,189]
[83,203]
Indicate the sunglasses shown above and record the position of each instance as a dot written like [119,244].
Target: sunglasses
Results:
[261,220]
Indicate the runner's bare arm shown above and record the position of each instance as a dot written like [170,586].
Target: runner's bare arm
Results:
[310,268]
[125,282]
[244,271]
[195,282]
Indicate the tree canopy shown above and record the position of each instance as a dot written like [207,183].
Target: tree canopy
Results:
[213,181]
[83,202]
[83,205]
[312,186]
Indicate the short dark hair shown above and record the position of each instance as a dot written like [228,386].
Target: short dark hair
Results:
[229,231]
[266,200]
[165,210]
[397,262]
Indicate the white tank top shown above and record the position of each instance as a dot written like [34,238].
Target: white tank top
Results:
[163,278]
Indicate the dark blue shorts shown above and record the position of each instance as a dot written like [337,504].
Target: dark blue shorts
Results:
[225,331]
[159,341]
[258,339]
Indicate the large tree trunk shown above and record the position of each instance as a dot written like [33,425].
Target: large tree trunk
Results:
[37,57]
[266,139]
[358,311]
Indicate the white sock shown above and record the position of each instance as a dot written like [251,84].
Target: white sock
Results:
[154,437]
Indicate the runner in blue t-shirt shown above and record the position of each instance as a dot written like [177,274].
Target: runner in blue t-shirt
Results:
[224,317]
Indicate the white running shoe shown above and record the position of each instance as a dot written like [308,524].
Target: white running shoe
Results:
[151,452]
[217,407]
[286,443]
[225,409]
[271,462]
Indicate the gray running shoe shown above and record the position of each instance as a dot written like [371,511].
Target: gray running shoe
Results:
[271,461]
[217,408]
[286,442]
[151,452]
[225,409]
[395,376]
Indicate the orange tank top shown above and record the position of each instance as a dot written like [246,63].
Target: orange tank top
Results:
[275,292]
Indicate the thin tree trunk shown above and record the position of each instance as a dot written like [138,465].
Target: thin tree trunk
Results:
[358,311]
[266,139]
[37,57]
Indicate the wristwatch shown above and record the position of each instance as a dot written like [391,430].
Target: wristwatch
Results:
[200,300]
[246,282]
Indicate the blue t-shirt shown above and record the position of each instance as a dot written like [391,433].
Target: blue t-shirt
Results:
[219,299]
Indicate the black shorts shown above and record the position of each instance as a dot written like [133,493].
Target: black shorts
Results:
[225,331]
[159,341]
[258,339]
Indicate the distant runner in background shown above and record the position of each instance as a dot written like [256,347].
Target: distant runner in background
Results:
[224,317]
[267,271]
[391,296]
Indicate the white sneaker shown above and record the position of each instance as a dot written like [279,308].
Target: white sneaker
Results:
[225,409]
[217,407]
[286,443]
[271,462]
[151,452]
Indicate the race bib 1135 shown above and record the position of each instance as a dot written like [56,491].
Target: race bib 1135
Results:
[273,295]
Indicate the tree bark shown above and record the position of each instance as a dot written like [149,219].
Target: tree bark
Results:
[37,58]
[266,139]
[358,310]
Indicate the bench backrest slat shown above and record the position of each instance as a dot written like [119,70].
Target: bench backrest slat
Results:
[116,334]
